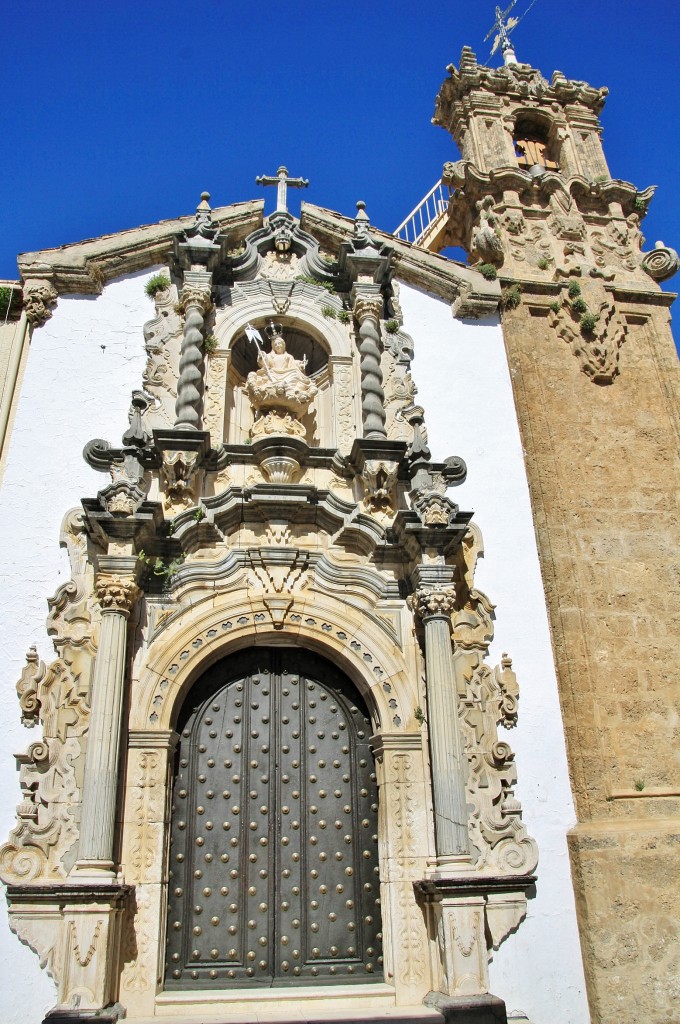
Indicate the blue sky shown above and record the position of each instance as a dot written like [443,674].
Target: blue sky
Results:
[118,114]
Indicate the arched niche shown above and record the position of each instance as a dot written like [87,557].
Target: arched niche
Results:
[335,415]
[309,351]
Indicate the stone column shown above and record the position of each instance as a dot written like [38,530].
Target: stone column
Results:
[196,303]
[117,596]
[368,308]
[434,606]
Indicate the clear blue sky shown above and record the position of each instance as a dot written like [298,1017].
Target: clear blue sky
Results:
[119,113]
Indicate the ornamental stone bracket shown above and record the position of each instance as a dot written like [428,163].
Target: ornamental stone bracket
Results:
[377,464]
[183,454]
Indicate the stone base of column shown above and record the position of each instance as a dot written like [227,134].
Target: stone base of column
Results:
[99,871]
[83,923]
[479,1009]
[110,1015]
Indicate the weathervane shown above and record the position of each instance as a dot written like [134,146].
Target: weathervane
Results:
[503,30]
[283,181]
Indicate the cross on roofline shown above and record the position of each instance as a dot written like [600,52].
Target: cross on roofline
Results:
[503,28]
[283,181]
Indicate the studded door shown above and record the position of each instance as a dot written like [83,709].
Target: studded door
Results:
[273,858]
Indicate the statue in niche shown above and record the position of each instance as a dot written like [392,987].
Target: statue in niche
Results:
[280,391]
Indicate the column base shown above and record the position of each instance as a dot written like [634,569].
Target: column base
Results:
[110,1015]
[477,1009]
[100,871]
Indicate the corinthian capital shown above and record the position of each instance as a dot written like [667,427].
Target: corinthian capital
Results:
[193,295]
[430,601]
[368,307]
[38,297]
[118,593]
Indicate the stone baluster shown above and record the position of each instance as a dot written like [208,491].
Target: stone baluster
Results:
[196,303]
[117,596]
[367,310]
[434,605]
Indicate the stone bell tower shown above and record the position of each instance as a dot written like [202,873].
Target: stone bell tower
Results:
[595,379]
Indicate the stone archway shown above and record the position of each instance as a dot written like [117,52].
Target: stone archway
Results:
[274,875]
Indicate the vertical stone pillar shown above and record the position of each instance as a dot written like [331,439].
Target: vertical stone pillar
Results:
[196,303]
[117,596]
[434,606]
[368,307]
[403,839]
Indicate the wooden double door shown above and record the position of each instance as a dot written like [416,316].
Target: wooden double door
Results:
[274,875]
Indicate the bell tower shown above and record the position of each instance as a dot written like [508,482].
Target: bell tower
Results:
[595,378]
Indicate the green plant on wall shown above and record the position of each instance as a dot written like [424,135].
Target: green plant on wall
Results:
[488,271]
[511,296]
[10,301]
[157,283]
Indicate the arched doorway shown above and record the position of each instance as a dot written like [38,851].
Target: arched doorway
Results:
[274,875]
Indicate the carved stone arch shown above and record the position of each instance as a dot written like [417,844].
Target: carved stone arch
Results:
[304,312]
[360,642]
[367,649]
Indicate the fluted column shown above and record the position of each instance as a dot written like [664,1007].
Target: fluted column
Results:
[434,605]
[367,310]
[196,302]
[117,596]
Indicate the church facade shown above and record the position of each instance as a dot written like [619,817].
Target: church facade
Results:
[356,696]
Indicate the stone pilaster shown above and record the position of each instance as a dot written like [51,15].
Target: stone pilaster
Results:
[117,596]
[368,307]
[196,303]
[434,606]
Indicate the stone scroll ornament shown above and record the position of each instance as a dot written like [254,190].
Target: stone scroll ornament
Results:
[661,263]
[42,846]
[279,391]
[498,836]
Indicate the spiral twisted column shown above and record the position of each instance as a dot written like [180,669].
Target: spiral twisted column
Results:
[117,596]
[434,606]
[367,310]
[196,303]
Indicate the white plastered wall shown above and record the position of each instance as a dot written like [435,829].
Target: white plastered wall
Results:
[463,380]
[80,372]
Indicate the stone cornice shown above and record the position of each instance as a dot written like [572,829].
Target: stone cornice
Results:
[84,267]
[472,295]
[516,81]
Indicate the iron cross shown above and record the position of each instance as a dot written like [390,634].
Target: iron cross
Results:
[283,181]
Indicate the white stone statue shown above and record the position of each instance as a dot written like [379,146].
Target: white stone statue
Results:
[280,391]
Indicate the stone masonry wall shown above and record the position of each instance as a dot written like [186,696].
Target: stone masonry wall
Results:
[603,471]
